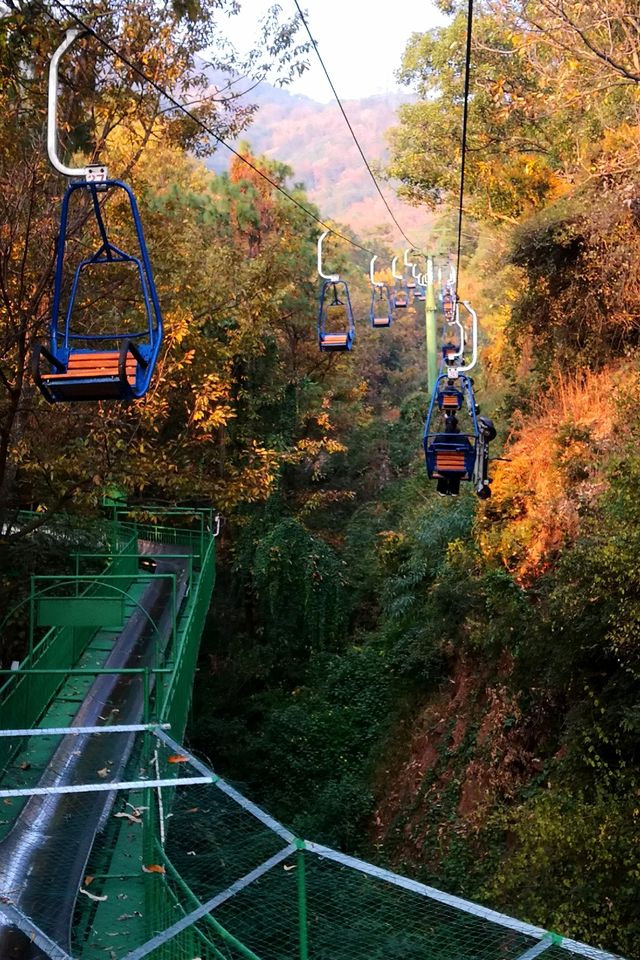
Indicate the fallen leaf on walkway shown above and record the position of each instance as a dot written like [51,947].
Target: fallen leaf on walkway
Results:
[93,896]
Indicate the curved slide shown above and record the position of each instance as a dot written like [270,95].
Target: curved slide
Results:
[43,857]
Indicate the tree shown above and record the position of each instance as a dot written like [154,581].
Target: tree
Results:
[115,116]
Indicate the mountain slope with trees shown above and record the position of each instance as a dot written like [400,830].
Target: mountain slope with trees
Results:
[445,686]
[312,138]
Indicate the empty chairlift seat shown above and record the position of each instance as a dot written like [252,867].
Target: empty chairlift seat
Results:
[110,364]
[336,325]
[381,311]
[400,299]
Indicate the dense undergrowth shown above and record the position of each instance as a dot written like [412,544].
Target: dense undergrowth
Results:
[453,687]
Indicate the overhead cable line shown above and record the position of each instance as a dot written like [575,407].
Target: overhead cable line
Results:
[351,130]
[465,119]
[189,113]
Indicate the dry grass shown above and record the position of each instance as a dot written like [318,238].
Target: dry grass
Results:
[556,465]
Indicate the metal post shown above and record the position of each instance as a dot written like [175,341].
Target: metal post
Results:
[145,694]
[431,328]
[32,616]
[302,902]
[32,627]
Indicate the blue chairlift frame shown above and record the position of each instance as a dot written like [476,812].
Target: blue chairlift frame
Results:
[346,337]
[404,293]
[142,345]
[435,442]
[380,295]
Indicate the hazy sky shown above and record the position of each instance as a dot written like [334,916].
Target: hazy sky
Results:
[361,41]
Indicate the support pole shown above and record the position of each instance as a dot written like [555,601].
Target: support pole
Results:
[302,901]
[431,328]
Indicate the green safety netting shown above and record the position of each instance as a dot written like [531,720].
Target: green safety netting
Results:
[195,871]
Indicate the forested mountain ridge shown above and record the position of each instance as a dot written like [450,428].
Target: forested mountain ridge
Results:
[312,138]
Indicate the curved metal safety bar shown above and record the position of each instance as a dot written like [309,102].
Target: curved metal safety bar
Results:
[394,273]
[52,112]
[372,273]
[407,262]
[333,277]
[460,351]
[474,337]
[455,322]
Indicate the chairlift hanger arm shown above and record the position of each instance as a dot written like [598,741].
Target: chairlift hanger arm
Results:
[474,337]
[333,277]
[52,113]
[372,272]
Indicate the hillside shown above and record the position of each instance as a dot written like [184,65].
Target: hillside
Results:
[313,139]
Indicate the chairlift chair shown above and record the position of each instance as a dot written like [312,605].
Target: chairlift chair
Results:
[381,309]
[336,325]
[76,365]
[381,312]
[450,455]
[110,364]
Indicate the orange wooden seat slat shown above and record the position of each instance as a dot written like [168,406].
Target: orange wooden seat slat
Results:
[449,400]
[450,461]
[102,364]
[335,338]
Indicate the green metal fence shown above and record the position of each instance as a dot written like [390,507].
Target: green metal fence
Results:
[26,692]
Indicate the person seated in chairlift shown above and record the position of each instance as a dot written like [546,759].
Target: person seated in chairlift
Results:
[447,305]
[449,486]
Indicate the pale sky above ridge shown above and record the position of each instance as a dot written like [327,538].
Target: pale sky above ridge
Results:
[361,41]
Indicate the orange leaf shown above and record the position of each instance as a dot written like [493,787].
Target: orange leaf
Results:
[154,868]
[177,758]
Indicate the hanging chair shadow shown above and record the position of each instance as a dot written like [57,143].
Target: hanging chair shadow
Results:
[381,310]
[336,325]
[113,364]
